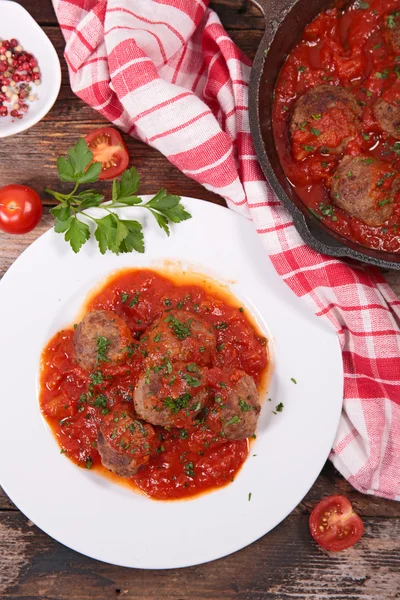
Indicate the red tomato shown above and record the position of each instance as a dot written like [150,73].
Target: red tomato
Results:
[20,209]
[108,148]
[334,525]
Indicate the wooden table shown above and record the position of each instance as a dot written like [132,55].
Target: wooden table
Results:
[283,565]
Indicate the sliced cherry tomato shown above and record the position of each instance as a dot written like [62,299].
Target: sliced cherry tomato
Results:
[20,209]
[108,148]
[334,525]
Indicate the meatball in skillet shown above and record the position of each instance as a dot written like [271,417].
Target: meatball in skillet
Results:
[124,442]
[238,406]
[171,395]
[393,30]
[183,336]
[101,336]
[325,118]
[365,188]
[388,117]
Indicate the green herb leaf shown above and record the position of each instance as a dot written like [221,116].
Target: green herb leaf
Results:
[77,233]
[123,191]
[61,212]
[233,420]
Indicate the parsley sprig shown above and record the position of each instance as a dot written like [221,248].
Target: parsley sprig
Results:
[111,231]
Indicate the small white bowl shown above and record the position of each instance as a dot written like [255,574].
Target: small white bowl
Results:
[16,22]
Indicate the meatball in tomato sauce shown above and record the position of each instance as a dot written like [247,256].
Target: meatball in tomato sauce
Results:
[388,116]
[124,442]
[171,394]
[365,188]
[237,403]
[182,336]
[102,336]
[393,30]
[324,118]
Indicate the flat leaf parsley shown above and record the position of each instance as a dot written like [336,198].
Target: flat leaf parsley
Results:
[111,231]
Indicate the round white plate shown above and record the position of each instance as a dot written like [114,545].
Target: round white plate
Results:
[44,290]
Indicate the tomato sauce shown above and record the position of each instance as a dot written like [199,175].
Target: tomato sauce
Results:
[187,461]
[344,46]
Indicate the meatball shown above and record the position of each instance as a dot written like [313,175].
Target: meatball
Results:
[124,442]
[171,395]
[101,336]
[393,30]
[182,336]
[388,117]
[365,188]
[325,118]
[240,409]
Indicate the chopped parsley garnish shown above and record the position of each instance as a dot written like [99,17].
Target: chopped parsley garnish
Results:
[308,148]
[317,116]
[167,302]
[244,406]
[192,368]
[376,46]
[328,210]
[241,309]
[124,297]
[190,380]
[96,377]
[100,401]
[382,75]
[279,407]
[315,131]
[102,349]
[365,136]
[367,161]
[158,337]
[302,68]
[221,325]
[249,496]
[383,202]
[390,21]
[220,347]
[183,434]
[233,420]
[177,404]
[89,463]
[189,469]
[135,300]
[179,329]
[361,5]
[202,349]
[293,379]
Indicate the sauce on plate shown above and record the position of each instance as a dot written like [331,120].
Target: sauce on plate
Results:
[188,460]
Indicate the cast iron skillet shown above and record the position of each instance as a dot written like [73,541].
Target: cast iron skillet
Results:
[285,22]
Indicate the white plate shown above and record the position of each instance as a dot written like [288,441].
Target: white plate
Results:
[44,290]
[16,22]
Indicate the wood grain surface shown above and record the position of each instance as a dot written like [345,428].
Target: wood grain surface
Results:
[285,564]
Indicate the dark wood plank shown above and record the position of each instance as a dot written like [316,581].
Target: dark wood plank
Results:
[285,565]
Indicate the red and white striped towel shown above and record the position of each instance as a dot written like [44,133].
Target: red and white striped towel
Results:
[166,72]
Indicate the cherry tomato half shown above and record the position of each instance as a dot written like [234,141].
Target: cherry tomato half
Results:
[108,148]
[334,525]
[20,209]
